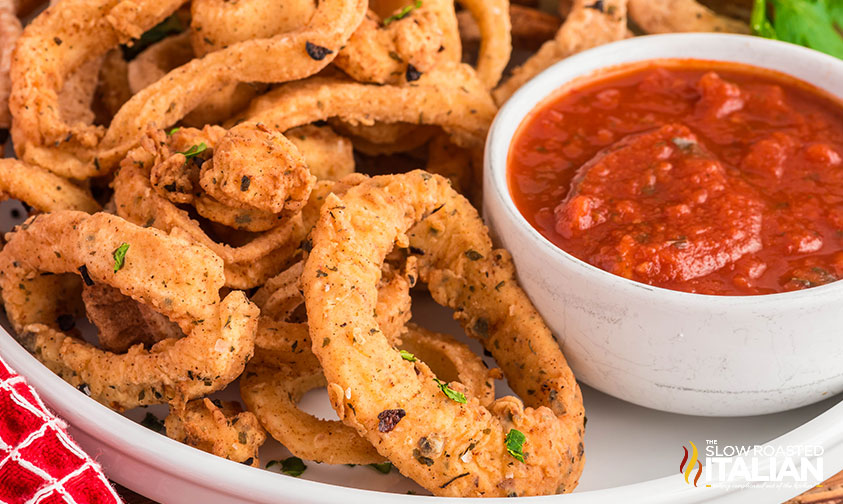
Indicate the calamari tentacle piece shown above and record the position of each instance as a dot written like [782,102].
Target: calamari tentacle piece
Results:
[451,97]
[448,447]
[218,427]
[669,16]
[41,189]
[246,266]
[178,279]
[589,24]
[10,30]
[256,167]
[402,49]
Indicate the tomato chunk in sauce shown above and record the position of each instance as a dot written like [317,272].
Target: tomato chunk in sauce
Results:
[697,176]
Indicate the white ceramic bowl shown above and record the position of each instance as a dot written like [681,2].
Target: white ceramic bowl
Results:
[669,350]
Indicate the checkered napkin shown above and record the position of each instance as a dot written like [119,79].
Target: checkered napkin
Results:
[39,463]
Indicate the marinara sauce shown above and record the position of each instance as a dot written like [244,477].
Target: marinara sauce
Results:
[696,176]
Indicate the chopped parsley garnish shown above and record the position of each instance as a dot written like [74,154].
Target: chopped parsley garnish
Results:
[120,256]
[292,466]
[402,13]
[173,131]
[194,150]
[407,356]
[451,393]
[151,422]
[515,443]
[382,468]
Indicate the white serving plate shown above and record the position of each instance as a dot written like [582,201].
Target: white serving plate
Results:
[633,453]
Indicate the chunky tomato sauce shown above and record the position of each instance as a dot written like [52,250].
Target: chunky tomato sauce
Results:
[696,176]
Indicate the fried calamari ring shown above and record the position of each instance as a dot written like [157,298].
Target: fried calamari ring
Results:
[451,97]
[246,266]
[10,30]
[221,428]
[41,189]
[493,20]
[178,279]
[449,448]
[90,151]
[51,48]
[589,24]
[216,24]
[273,389]
[530,27]
[450,161]
[284,368]
[329,156]
[287,339]
[304,52]
[669,16]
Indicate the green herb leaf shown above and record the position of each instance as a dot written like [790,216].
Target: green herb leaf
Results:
[402,13]
[292,466]
[451,393]
[515,443]
[194,150]
[382,468]
[120,256]
[172,131]
[407,356]
[810,23]
[151,422]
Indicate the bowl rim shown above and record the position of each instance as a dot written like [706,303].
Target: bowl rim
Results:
[543,86]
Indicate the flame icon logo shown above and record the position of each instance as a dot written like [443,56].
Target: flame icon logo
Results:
[686,467]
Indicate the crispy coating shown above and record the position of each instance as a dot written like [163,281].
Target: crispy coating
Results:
[273,388]
[123,322]
[585,27]
[157,60]
[450,161]
[178,279]
[215,24]
[221,428]
[83,152]
[329,156]
[246,265]
[395,53]
[77,94]
[52,47]
[451,97]
[530,27]
[448,447]
[255,167]
[10,30]
[41,189]
[668,16]
[493,21]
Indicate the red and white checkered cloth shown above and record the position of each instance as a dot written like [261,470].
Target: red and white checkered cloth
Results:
[39,463]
